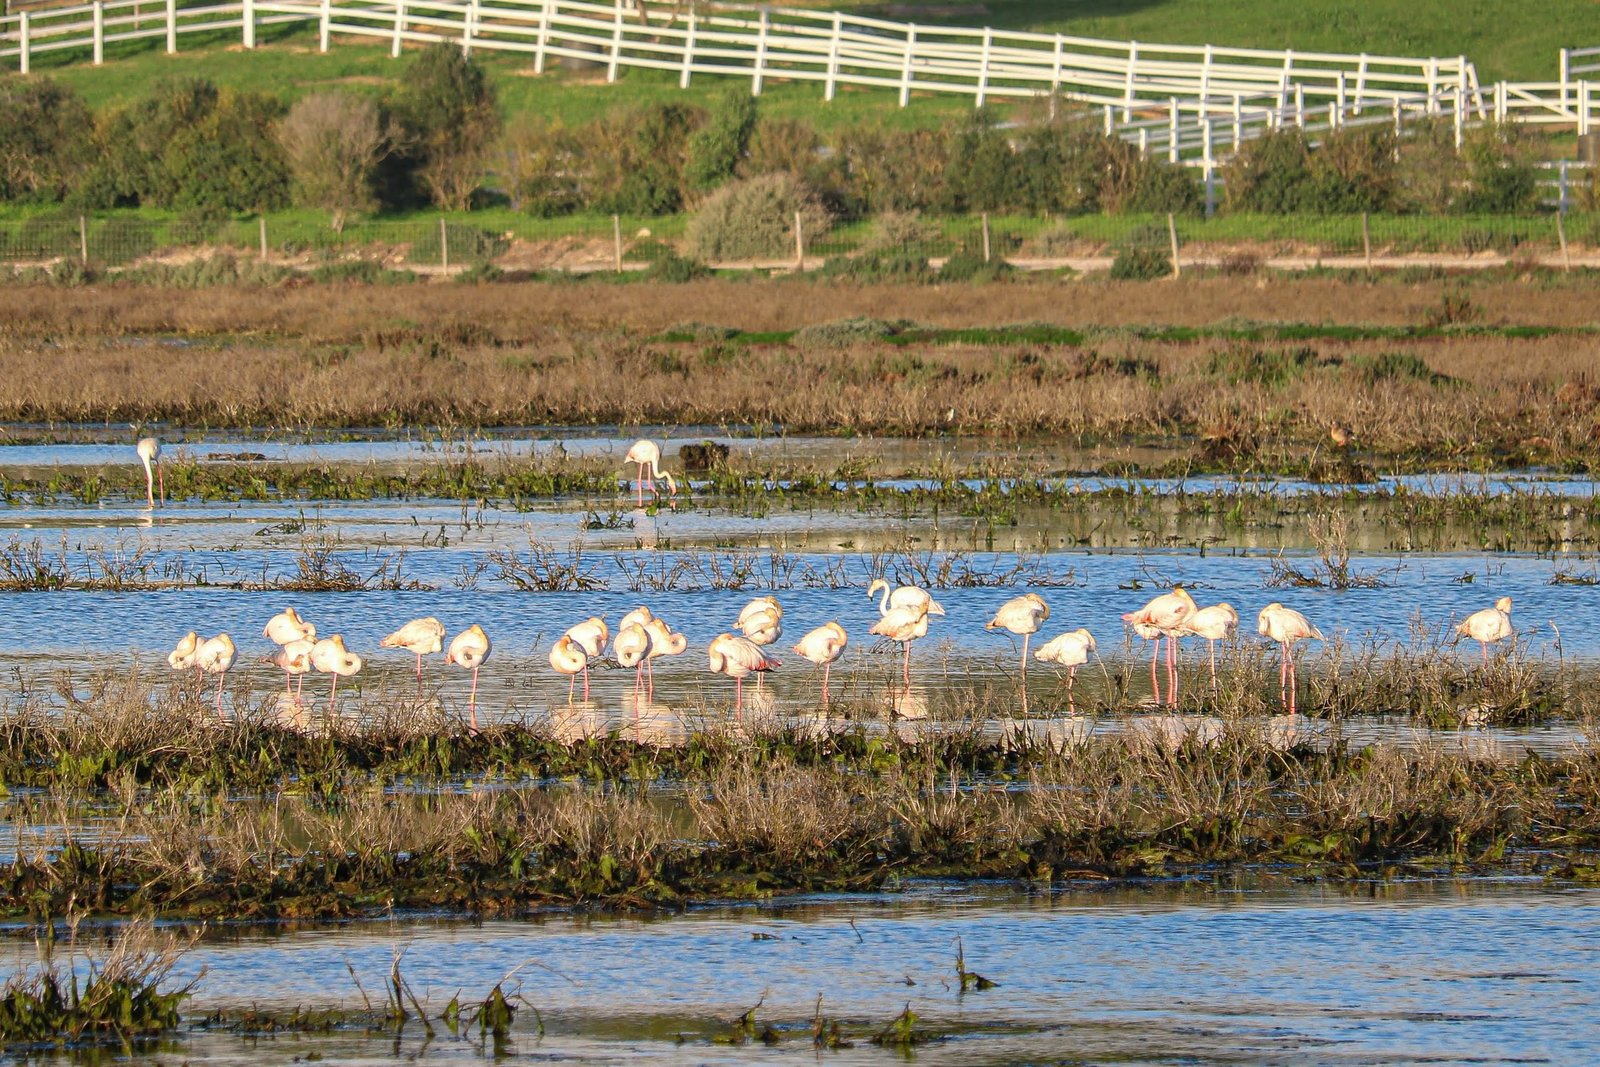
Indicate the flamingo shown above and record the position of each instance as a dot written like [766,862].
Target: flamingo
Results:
[905,596]
[1070,650]
[468,649]
[663,642]
[568,657]
[641,615]
[1021,615]
[294,658]
[647,454]
[591,635]
[1489,626]
[823,646]
[761,622]
[738,657]
[1286,626]
[182,657]
[1151,633]
[1166,614]
[632,647]
[904,625]
[216,657]
[149,450]
[421,637]
[1219,622]
[284,629]
[329,656]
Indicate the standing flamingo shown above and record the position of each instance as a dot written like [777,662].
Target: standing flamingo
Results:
[1219,622]
[1286,626]
[823,646]
[420,637]
[632,646]
[568,658]
[663,642]
[469,649]
[149,450]
[294,659]
[647,454]
[1021,615]
[738,657]
[591,636]
[216,657]
[1489,626]
[641,615]
[1070,650]
[1166,614]
[761,622]
[905,596]
[182,657]
[904,625]
[284,629]
[329,656]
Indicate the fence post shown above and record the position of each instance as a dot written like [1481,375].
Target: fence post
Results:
[1561,187]
[1361,82]
[1172,129]
[983,65]
[1341,96]
[468,26]
[1565,61]
[833,58]
[325,25]
[1459,118]
[83,241]
[1561,235]
[22,40]
[905,66]
[1238,121]
[444,248]
[543,39]
[1172,233]
[99,32]
[1144,142]
[761,54]
[1205,76]
[985,218]
[1300,105]
[1127,88]
[616,244]
[616,42]
[263,220]
[172,27]
[1583,107]
[399,23]
[249,15]
[799,245]
[1500,101]
[688,51]
[1333,117]
[1366,241]
[1433,85]
[1110,123]
[1055,68]
[1208,164]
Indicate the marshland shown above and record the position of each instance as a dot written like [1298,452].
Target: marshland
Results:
[972,863]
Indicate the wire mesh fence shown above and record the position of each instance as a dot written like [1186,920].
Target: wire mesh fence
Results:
[125,242]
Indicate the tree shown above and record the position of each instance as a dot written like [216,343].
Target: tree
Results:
[334,142]
[452,122]
[715,149]
[46,146]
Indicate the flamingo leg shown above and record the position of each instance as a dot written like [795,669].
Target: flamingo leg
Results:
[288,687]
[586,682]
[333,693]
[300,686]
[149,488]
[1172,670]
[220,677]
[1213,664]
[825,696]
[908,665]
[419,674]
[572,680]
[650,672]
[162,476]
[1072,677]
[1025,658]
[472,700]
[1294,683]
[1155,686]
[640,484]
[1283,674]
[1485,646]
[738,697]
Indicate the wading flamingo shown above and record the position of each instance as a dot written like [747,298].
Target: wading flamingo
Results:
[640,615]
[469,649]
[591,635]
[1489,625]
[1070,650]
[663,642]
[904,625]
[294,659]
[905,596]
[823,646]
[1219,622]
[647,454]
[182,657]
[420,637]
[1153,635]
[284,629]
[149,450]
[1021,615]
[566,657]
[216,657]
[1167,614]
[761,622]
[1286,626]
[632,647]
[329,656]
[738,658]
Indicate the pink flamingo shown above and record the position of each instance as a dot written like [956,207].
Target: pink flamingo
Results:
[1489,626]
[469,649]
[1287,627]
[823,646]
[149,450]
[1219,622]
[1166,615]
[738,658]
[647,454]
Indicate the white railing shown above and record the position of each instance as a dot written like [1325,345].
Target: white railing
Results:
[833,49]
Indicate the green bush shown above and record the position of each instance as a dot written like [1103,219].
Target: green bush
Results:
[896,266]
[1271,175]
[1269,367]
[674,268]
[842,333]
[966,265]
[46,148]
[634,159]
[904,231]
[450,116]
[754,219]
[1145,254]
[542,163]
[714,150]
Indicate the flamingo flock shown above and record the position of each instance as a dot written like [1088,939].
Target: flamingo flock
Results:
[641,638]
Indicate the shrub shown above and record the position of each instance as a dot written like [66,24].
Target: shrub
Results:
[451,119]
[334,142]
[1269,367]
[1394,367]
[361,271]
[967,265]
[754,219]
[896,266]
[841,333]
[635,160]
[715,149]
[984,172]
[893,170]
[792,147]
[465,243]
[1271,175]
[904,231]
[1354,170]
[1069,167]
[676,269]
[45,140]
[542,164]
[1501,178]
[1143,255]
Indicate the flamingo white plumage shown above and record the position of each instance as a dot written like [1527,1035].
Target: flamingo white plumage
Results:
[329,656]
[904,596]
[903,625]
[1022,615]
[420,637]
[664,642]
[284,629]
[216,657]
[182,657]
[640,615]
[591,636]
[1219,622]
[1287,627]
[568,658]
[468,649]
[647,454]
[823,646]
[1070,650]
[294,659]
[632,646]
[149,450]
[738,658]
[1166,614]
[1489,626]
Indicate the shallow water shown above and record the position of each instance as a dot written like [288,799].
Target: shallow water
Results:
[1474,971]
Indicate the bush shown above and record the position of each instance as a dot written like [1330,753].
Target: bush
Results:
[890,267]
[754,219]
[542,163]
[1271,175]
[451,118]
[220,269]
[1268,367]
[674,268]
[334,142]
[792,147]
[842,333]
[893,170]
[967,265]
[1501,178]
[46,149]
[634,160]
[714,150]
[467,244]
[361,271]
[1145,254]
[905,231]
